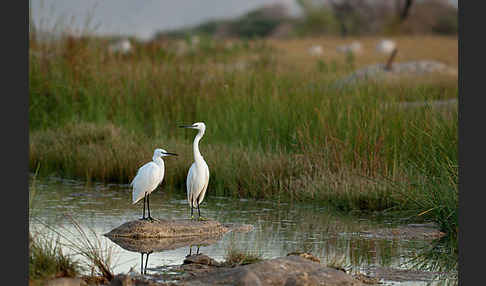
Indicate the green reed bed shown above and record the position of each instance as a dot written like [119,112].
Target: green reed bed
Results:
[272,130]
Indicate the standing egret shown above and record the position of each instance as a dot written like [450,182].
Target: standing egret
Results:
[148,177]
[198,175]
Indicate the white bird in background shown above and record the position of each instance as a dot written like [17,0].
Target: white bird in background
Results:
[122,46]
[148,177]
[354,47]
[386,46]
[198,175]
[315,50]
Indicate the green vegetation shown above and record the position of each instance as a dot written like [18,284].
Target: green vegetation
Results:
[241,256]
[273,131]
[46,260]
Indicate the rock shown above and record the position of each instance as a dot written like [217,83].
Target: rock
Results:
[306,256]
[65,281]
[168,229]
[201,259]
[366,279]
[289,270]
[126,280]
[149,244]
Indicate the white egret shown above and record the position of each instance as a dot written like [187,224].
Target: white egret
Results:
[123,47]
[148,177]
[386,46]
[315,50]
[198,175]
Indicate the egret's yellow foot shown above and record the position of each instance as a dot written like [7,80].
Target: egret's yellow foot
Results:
[202,218]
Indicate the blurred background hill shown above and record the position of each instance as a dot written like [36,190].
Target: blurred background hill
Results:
[148,20]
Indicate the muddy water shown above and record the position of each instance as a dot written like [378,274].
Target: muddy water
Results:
[279,228]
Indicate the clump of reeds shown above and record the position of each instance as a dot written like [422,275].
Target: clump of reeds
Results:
[235,255]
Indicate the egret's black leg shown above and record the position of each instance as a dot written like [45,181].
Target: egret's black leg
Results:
[192,216]
[197,252]
[198,211]
[148,207]
[141,263]
[190,250]
[143,216]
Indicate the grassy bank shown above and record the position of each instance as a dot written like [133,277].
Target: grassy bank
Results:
[273,130]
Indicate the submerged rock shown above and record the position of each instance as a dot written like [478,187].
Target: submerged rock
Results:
[411,231]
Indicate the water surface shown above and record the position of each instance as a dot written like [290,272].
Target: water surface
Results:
[279,228]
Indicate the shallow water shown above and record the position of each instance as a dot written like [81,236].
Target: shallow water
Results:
[279,228]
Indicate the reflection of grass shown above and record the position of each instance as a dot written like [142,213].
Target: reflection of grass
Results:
[440,256]
[337,262]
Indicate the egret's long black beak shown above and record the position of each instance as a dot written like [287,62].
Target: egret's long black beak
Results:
[186,126]
[171,154]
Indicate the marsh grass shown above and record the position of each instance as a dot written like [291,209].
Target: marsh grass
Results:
[273,130]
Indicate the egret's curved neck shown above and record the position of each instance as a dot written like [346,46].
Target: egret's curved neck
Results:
[197,155]
[158,161]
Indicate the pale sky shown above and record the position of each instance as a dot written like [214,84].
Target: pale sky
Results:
[140,18]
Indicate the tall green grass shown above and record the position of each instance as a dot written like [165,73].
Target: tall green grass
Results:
[272,131]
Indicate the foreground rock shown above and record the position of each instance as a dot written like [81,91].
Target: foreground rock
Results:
[289,270]
[171,229]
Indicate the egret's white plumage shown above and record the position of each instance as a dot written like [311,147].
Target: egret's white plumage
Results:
[148,177]
[198,175]
[386,46]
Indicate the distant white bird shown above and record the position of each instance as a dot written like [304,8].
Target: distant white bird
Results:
[315,50]
[198,175]
[354,47]
[123,47]
[148,177]
[386,46]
